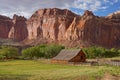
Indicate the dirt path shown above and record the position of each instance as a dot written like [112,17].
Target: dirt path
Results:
[108,76]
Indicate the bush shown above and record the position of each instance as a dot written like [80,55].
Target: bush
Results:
[100,52]
[119,52]
[8,52]
[53,50]
[42,51]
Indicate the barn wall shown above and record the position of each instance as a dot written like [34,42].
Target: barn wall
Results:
[78,57]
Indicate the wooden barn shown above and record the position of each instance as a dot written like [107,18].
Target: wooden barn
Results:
[69,56]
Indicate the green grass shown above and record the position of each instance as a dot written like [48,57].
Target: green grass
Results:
[43,70]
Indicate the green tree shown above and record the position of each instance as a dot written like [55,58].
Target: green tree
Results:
[100,52]
[46,51]
[8,52]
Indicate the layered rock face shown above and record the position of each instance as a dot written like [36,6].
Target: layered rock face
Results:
[18,31]
[100,31]
[15,28]
[5,26]
[50,23]
[63,25]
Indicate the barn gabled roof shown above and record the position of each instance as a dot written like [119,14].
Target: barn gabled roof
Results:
[66,54]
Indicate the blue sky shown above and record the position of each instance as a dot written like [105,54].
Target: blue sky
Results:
[28,7]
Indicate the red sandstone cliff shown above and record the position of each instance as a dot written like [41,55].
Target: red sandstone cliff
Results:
[5,26]
[115,15]
[64,27]
[18,31]
[15,28]
[100,31]
[50,23]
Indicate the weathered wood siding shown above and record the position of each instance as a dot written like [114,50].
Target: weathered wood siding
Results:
[81,57]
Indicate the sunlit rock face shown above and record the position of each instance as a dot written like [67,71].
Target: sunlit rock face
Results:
[57,24]
[50,23]
[115,15]
[64,27]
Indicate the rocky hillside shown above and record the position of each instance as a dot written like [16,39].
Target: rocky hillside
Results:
[62,26]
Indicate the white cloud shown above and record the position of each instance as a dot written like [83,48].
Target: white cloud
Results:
[106,0]
[28,7]
[93,5]
[115,1]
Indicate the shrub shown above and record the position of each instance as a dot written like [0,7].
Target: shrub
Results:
[119,52]
[53,50]
[8,52]
[45,51]
[100,52]
[31,52]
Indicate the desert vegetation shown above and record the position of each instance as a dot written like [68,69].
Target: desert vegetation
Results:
[7,52]
[42,51]
[49,51]
[100,52]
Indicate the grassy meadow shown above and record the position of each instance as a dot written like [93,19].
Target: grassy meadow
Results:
[43,70]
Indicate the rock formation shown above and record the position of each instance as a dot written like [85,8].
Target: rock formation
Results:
[100,31]
[5,26]
[15,28]
[63,26]
[18,31]
[49,23]
[115,15]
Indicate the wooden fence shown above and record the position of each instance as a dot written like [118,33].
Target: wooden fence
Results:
[113,63]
